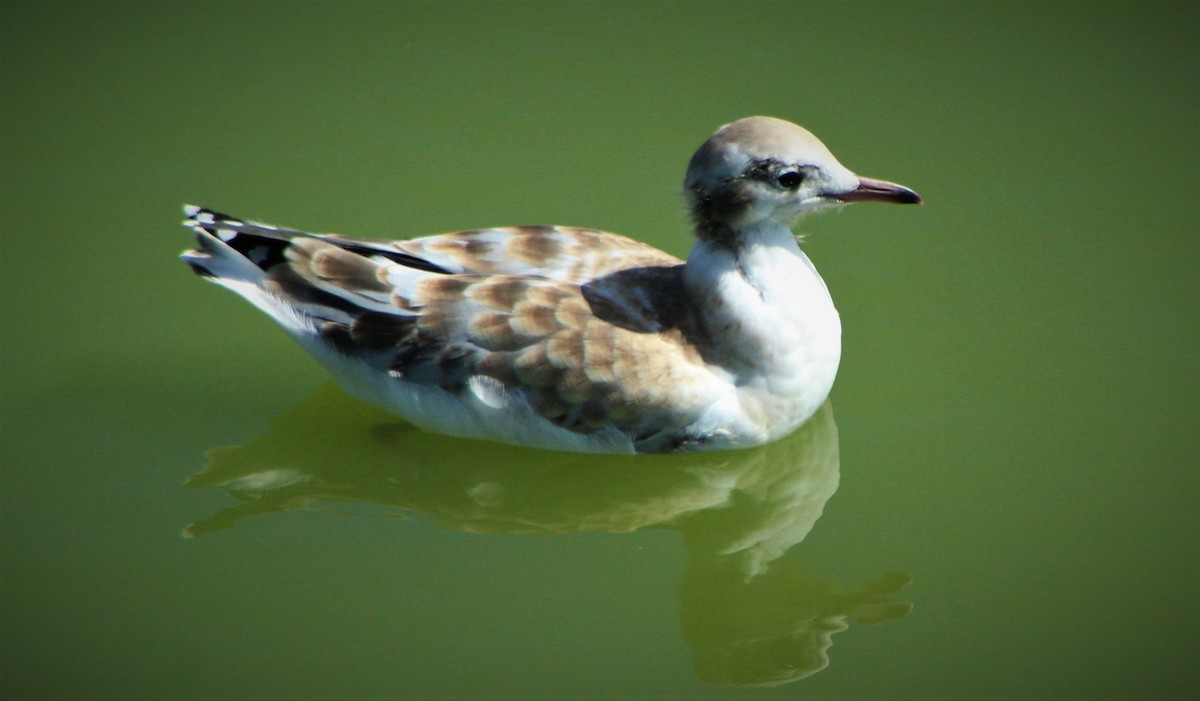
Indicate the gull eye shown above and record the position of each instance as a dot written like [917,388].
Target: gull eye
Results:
[790,179]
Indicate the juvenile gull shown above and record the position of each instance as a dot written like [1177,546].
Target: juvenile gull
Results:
[577,339]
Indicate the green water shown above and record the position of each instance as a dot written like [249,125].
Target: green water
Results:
[1000,500]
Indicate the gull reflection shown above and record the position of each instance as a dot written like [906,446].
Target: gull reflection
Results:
[750,617]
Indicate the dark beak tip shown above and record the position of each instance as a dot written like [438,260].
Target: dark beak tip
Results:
[871,190]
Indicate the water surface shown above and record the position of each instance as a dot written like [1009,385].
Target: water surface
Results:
[999,501]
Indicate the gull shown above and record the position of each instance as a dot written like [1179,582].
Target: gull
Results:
[576,339]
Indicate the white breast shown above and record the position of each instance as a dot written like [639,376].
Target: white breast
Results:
[776,329]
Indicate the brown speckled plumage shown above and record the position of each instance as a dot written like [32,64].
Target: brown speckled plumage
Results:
[565,337]
[573,338]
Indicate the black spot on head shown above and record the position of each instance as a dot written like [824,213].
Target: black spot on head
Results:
[763,169]
[714,210]
[777,173]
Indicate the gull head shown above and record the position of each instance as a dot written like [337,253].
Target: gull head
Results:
[762,170]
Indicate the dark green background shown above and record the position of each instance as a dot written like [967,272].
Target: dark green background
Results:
[1018,403]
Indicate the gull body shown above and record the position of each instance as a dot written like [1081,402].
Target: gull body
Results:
[577,339]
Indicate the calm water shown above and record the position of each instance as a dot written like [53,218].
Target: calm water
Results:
[1000,500]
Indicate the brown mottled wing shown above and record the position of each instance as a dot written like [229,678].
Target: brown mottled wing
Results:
[581,356]
[589,328]
[568,254]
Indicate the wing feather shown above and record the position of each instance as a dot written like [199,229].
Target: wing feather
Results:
[586,328]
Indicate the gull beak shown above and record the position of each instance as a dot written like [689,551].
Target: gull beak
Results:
[870,190]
